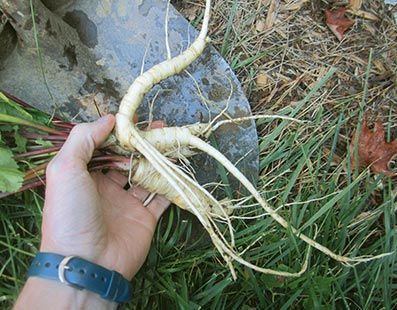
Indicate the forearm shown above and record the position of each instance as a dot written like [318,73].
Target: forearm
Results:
[47,294]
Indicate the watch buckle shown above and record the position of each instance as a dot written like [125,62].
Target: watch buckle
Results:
[63,265]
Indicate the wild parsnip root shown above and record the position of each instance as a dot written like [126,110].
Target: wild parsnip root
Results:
[158,174]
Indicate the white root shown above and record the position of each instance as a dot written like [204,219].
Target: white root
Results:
[142,84]
[175,184]
[164,167]
[205,147]
[167,43]
[185,138]
[221,244]
[210,129]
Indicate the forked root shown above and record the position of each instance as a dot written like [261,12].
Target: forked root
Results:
[177,185]
[187,190]
[186,139]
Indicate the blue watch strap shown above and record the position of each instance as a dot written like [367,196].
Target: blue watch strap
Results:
[81,274]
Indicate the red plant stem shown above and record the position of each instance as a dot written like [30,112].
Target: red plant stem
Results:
[61,133]
[58,143]
[30,135]
[6,118]
[38,146]
[49,138]
[32,185]
[40,181]
[38,152]
[63,124]
[111,158]
[26,105]
[36,171]
[104,166]
[42,127]
[15,99]
[53,138]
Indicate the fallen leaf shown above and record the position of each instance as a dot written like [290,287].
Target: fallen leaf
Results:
[260,26]
[294,5]
[363,14]
[355,4]
[262,80]
[374,151]
[191,12]
[264,2]
[337,22]
[272,14]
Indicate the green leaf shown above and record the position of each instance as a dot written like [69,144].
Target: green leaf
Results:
[20,141]
[11,177]
[40,117]
[43,143]
[9,107]
[272,281]
[4,128]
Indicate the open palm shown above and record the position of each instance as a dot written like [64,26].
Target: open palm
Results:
[90,214]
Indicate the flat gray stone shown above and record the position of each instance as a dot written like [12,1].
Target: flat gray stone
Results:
[92,51]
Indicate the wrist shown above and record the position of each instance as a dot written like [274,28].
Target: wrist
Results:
[81,274]
[87,252]
[41,293]
[105,259]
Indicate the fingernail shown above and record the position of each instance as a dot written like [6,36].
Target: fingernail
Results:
[104,119]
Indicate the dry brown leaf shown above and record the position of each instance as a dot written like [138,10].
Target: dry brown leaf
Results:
[260,25]
[374,151]
[191,12]
[293,5]
[364,14]
[337,22]
[380,67]
[262,80]
[272,14]
[355,4]
[264,2]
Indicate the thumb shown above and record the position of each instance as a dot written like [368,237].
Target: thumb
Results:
[84,139]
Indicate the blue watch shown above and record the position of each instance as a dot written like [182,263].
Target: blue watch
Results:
[81,274]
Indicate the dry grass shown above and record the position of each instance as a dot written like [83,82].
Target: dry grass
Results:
[295,48]
[281,49]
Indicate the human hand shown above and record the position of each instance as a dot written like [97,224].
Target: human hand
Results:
[90,214]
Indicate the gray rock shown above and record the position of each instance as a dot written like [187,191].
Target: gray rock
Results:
[91,51]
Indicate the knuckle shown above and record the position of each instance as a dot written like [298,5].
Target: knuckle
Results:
[78,129]
[53,168]
[83,134]
[57,167]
